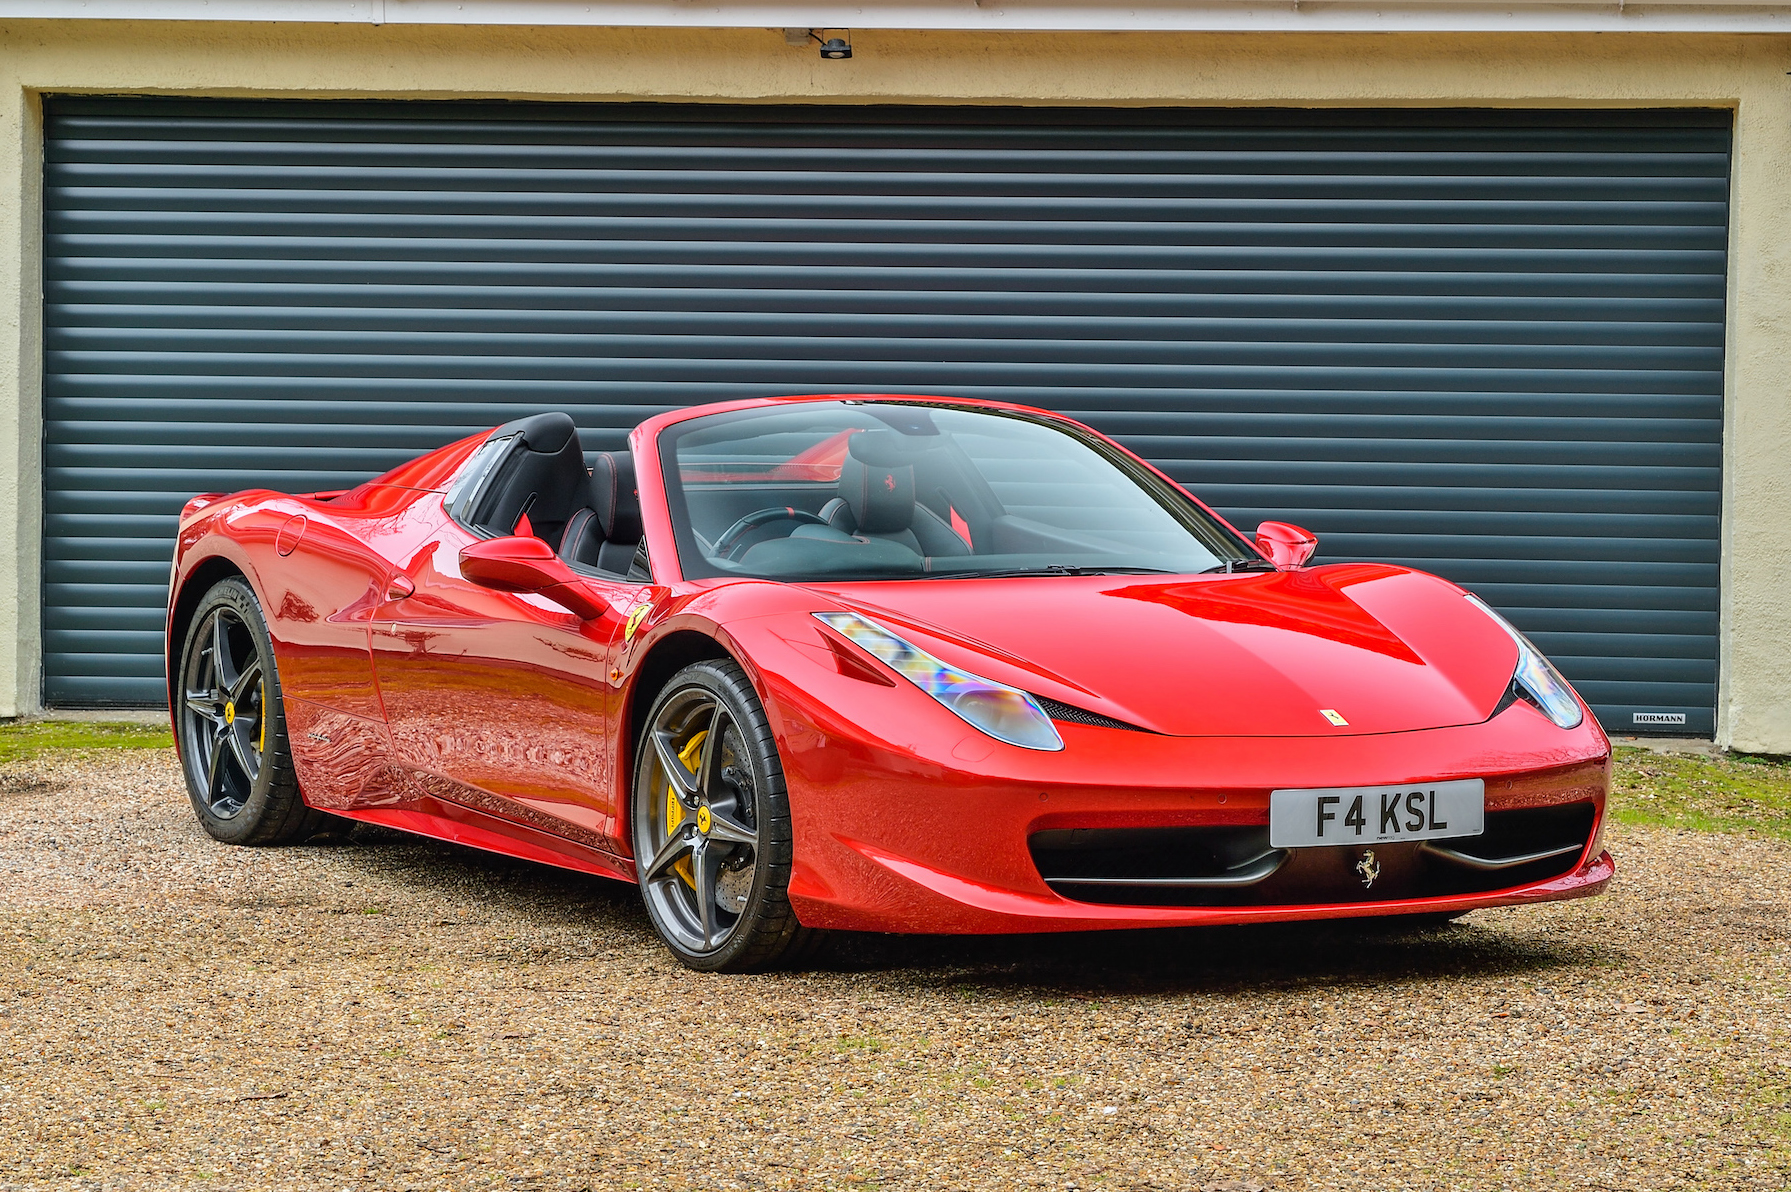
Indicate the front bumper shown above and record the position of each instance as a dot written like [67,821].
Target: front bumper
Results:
[944,836]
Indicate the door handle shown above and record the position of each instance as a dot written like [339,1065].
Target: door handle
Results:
[398,587]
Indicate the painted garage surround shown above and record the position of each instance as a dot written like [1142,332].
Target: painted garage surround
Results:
[1484,343]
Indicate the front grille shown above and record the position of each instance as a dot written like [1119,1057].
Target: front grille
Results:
[1075,715]
[1234,866]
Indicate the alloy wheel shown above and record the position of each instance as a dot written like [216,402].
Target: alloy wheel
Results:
[223,721]
[699,828]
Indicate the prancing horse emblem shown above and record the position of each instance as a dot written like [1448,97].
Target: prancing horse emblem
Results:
[1369,868]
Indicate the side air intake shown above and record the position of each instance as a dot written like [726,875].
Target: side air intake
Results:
[1073,715]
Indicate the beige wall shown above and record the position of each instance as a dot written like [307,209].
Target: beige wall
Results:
[21,485]
[1746,73]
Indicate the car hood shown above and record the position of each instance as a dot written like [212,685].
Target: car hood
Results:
[1256,655]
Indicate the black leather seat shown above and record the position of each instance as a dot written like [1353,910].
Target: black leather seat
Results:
[606,533]
[877,499]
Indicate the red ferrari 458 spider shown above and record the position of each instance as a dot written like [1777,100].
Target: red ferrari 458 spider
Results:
[870,663]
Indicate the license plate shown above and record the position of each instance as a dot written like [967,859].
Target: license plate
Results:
[1377,814]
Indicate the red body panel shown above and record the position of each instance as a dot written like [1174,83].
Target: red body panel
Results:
[926,820]
[503,700]
[499,719]
[1368,640]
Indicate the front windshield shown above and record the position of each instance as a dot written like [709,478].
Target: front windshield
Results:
[893,490]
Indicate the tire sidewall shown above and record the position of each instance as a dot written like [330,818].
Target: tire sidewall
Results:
[727,682]
[245,826]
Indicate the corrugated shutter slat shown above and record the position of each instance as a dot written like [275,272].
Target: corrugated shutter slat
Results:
[1487,343]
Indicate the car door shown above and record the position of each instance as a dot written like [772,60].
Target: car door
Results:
[503,701]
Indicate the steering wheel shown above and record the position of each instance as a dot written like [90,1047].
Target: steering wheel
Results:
[732,536]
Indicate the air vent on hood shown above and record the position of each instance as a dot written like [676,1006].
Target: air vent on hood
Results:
[1073,715]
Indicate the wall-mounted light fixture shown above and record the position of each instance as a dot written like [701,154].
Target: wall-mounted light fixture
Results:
[832,48]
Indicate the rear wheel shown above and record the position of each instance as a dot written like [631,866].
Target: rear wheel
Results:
[712,836]
[233,745]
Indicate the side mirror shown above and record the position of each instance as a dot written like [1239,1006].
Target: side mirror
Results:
[523,564]
[1288,547]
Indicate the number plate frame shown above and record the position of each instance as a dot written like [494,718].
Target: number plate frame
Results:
[1358,815]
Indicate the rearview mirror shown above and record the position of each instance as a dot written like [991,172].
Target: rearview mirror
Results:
[521,563]
[1288,547]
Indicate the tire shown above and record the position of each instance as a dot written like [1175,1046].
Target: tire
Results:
[234,750]
[711,826]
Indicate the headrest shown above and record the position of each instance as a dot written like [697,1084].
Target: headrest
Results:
[880,496]
[614,496]
[545,433]
[886,449]
[542,475]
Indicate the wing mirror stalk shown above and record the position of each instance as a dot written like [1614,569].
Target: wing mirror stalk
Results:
[523,564]
[1287,547]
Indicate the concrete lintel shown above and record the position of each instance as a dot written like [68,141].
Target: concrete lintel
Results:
[990,16]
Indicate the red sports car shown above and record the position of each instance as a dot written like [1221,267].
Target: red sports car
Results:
[870,663]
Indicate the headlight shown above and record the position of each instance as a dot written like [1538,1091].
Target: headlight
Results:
[1005,713]
[1534,674]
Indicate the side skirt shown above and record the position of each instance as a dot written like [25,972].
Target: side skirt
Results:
[441,820]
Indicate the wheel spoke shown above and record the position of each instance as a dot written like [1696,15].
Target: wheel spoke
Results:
[702,868]
[668,854]
[675,773]
[214,768]
[204,671]
[201,704]
[240,749]
[705,778]
[246,682]
[223,665]
[729,831]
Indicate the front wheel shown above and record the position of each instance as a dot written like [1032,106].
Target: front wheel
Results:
[233,746]
[712,836]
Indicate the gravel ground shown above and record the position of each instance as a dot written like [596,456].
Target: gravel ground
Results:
[392,1013]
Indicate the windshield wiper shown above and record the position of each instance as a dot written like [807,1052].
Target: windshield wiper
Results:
[1048,569]
[1233,566]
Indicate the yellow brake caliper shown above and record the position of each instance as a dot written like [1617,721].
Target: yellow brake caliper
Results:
[692,757]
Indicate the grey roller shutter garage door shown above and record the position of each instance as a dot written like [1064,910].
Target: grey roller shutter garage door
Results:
[1485,343]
